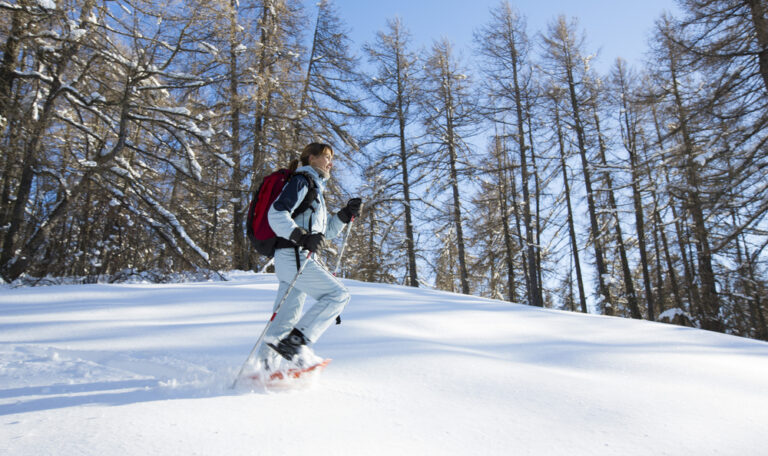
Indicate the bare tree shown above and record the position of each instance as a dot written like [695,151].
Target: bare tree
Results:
[450,114]
[563,52]
[557,95]
[504,46]
[393,91]
[595,87]
[122,114]
[629,124]
[495,268]
[330,102]
[690,164]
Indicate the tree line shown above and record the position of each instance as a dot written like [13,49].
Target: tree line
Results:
[134,133]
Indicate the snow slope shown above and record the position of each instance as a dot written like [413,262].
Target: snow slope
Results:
[145,369]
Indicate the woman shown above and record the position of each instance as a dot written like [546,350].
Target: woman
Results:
[291,333]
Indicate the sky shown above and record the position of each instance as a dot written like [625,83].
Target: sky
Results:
[617,28]
[612,28]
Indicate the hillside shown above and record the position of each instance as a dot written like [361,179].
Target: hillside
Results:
[145,369]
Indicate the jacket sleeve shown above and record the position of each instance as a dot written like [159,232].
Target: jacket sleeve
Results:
[279,215]
[335,225]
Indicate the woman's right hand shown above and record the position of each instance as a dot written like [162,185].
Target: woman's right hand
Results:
[313,242]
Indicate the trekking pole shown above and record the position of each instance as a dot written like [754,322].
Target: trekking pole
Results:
[344,243]
[341,253]
[277,308]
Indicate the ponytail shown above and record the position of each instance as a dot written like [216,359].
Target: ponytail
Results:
[293,165]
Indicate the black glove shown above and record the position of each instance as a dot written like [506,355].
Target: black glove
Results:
[313,241]
[352,209]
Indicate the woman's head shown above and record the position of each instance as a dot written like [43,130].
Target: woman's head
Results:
[314,150]
[317,155]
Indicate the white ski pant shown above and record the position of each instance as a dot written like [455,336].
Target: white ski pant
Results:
[315,281]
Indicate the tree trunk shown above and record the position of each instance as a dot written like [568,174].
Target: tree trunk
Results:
[520,238]
[534,296]
[452,157]
[660,226]
[8,117]
[659,298]
[8,65]
[640,229]
[11,270]
[629,119]
[29,163]
[409,237]
[537,199]
[463,274]
[501,156]
[262,98]
[709,301]
[571,227]
[758,10]
[297,127]
[240,254]
[603,291]
[629,285]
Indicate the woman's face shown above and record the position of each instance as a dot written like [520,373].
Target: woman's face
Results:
[323,161]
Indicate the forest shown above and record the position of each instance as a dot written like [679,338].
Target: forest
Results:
[134,133]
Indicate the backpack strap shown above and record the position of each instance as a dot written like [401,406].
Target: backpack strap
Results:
[305,204]
[310,197]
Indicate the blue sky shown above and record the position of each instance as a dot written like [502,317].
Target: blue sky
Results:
[614,27]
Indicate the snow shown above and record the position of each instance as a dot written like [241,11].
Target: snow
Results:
[197,170]
[206,47]
[174,110]
[88,163]
[97,97]
[225,159]
[145,369]
[46,4]
[670,314]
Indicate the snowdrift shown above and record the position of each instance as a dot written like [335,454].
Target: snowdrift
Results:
[141,369]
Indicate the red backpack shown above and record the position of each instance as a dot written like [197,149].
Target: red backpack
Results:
[257,227]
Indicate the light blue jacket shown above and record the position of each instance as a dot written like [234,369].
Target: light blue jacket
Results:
[292,195]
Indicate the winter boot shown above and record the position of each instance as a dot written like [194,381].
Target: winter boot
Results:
[290,346]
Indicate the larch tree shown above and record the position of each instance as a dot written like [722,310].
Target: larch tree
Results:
[393,93]
[623,93]
[556,96]
[563,54]
[449,111]
[504,45]
[330,101]
[689,131]
[596,98]
[109,81]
